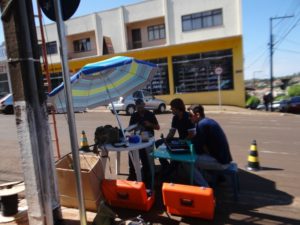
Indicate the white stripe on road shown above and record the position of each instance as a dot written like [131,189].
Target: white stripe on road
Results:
[279,153]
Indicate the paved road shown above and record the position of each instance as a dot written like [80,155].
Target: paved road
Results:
[269,196]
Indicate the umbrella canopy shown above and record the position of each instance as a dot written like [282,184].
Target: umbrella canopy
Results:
[102,82]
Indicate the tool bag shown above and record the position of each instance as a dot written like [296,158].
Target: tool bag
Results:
[106,135]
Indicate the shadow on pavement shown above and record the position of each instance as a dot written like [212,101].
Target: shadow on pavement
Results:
[256,193]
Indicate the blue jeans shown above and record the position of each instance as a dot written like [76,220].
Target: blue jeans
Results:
[206,162]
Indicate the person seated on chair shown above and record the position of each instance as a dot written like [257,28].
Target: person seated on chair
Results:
[210,144]
[185,128]
[146,121]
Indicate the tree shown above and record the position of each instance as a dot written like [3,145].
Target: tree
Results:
[294,90]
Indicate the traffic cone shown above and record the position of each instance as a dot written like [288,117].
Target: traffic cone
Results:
[84,146]
[253,162]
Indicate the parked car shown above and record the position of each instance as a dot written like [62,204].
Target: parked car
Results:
[293,105]
[6,104]
[278,106]
[127,104]
[3,94]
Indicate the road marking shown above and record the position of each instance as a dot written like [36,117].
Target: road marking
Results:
[279,153]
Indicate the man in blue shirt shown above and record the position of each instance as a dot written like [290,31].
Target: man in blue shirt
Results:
[210,144]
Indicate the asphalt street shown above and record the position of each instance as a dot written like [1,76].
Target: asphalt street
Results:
[269,196]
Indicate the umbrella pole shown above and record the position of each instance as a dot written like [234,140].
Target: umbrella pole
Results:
[117,116]
[119,122]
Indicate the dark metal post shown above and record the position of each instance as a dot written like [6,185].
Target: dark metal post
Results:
[271,63]
[70,112]
[271,55]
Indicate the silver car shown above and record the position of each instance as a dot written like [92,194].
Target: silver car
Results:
[127,104]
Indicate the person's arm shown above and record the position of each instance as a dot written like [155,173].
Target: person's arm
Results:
[191,129]
[173,129]
[152,123]
[154,126]
[132,120]
[199,140]
[171,133]
[191,133]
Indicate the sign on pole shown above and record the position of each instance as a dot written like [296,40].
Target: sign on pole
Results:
[219,71]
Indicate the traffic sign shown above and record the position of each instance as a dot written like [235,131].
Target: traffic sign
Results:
[219,70]
[68,8]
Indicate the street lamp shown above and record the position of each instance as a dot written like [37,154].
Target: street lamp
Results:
[254,72]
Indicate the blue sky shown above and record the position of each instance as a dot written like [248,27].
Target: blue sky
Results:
[256,16]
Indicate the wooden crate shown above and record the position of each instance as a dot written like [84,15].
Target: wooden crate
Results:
[92,174]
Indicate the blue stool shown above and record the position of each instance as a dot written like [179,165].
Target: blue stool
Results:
[232,171]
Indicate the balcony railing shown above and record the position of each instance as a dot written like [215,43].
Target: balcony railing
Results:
[145,44]
[75,55]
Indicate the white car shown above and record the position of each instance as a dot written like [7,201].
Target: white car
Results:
[127,104]
[278,106]
[6,104]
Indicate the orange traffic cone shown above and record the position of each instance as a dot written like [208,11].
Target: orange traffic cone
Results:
[84,146]
[253,162]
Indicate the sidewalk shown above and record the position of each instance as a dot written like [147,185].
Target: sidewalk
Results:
[209,109]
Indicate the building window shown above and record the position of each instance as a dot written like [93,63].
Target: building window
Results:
[4,86]
[51,48]
[55,78]
[156,32]
[159,84]
[202,20]
[82,45]
[196,72]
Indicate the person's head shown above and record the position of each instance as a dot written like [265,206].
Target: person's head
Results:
[177,106]
[196,113]
[140,105]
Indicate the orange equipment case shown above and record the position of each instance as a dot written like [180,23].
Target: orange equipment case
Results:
[127,194]
[187,200]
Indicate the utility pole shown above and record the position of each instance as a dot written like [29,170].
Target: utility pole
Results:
[30,110]
[271,54]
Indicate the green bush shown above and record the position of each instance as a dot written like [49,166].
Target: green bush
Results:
[294,90]
[252,102]
[281,97]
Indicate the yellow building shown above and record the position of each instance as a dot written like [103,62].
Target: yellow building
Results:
[198,47]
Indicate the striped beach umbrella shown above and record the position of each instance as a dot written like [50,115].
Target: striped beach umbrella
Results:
[105,81]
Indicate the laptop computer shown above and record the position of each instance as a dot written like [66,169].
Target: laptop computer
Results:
[178,146]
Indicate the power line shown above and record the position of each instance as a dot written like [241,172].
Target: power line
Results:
[287,33]
[288,50]
[291,41]
[254,61]
[293,9]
